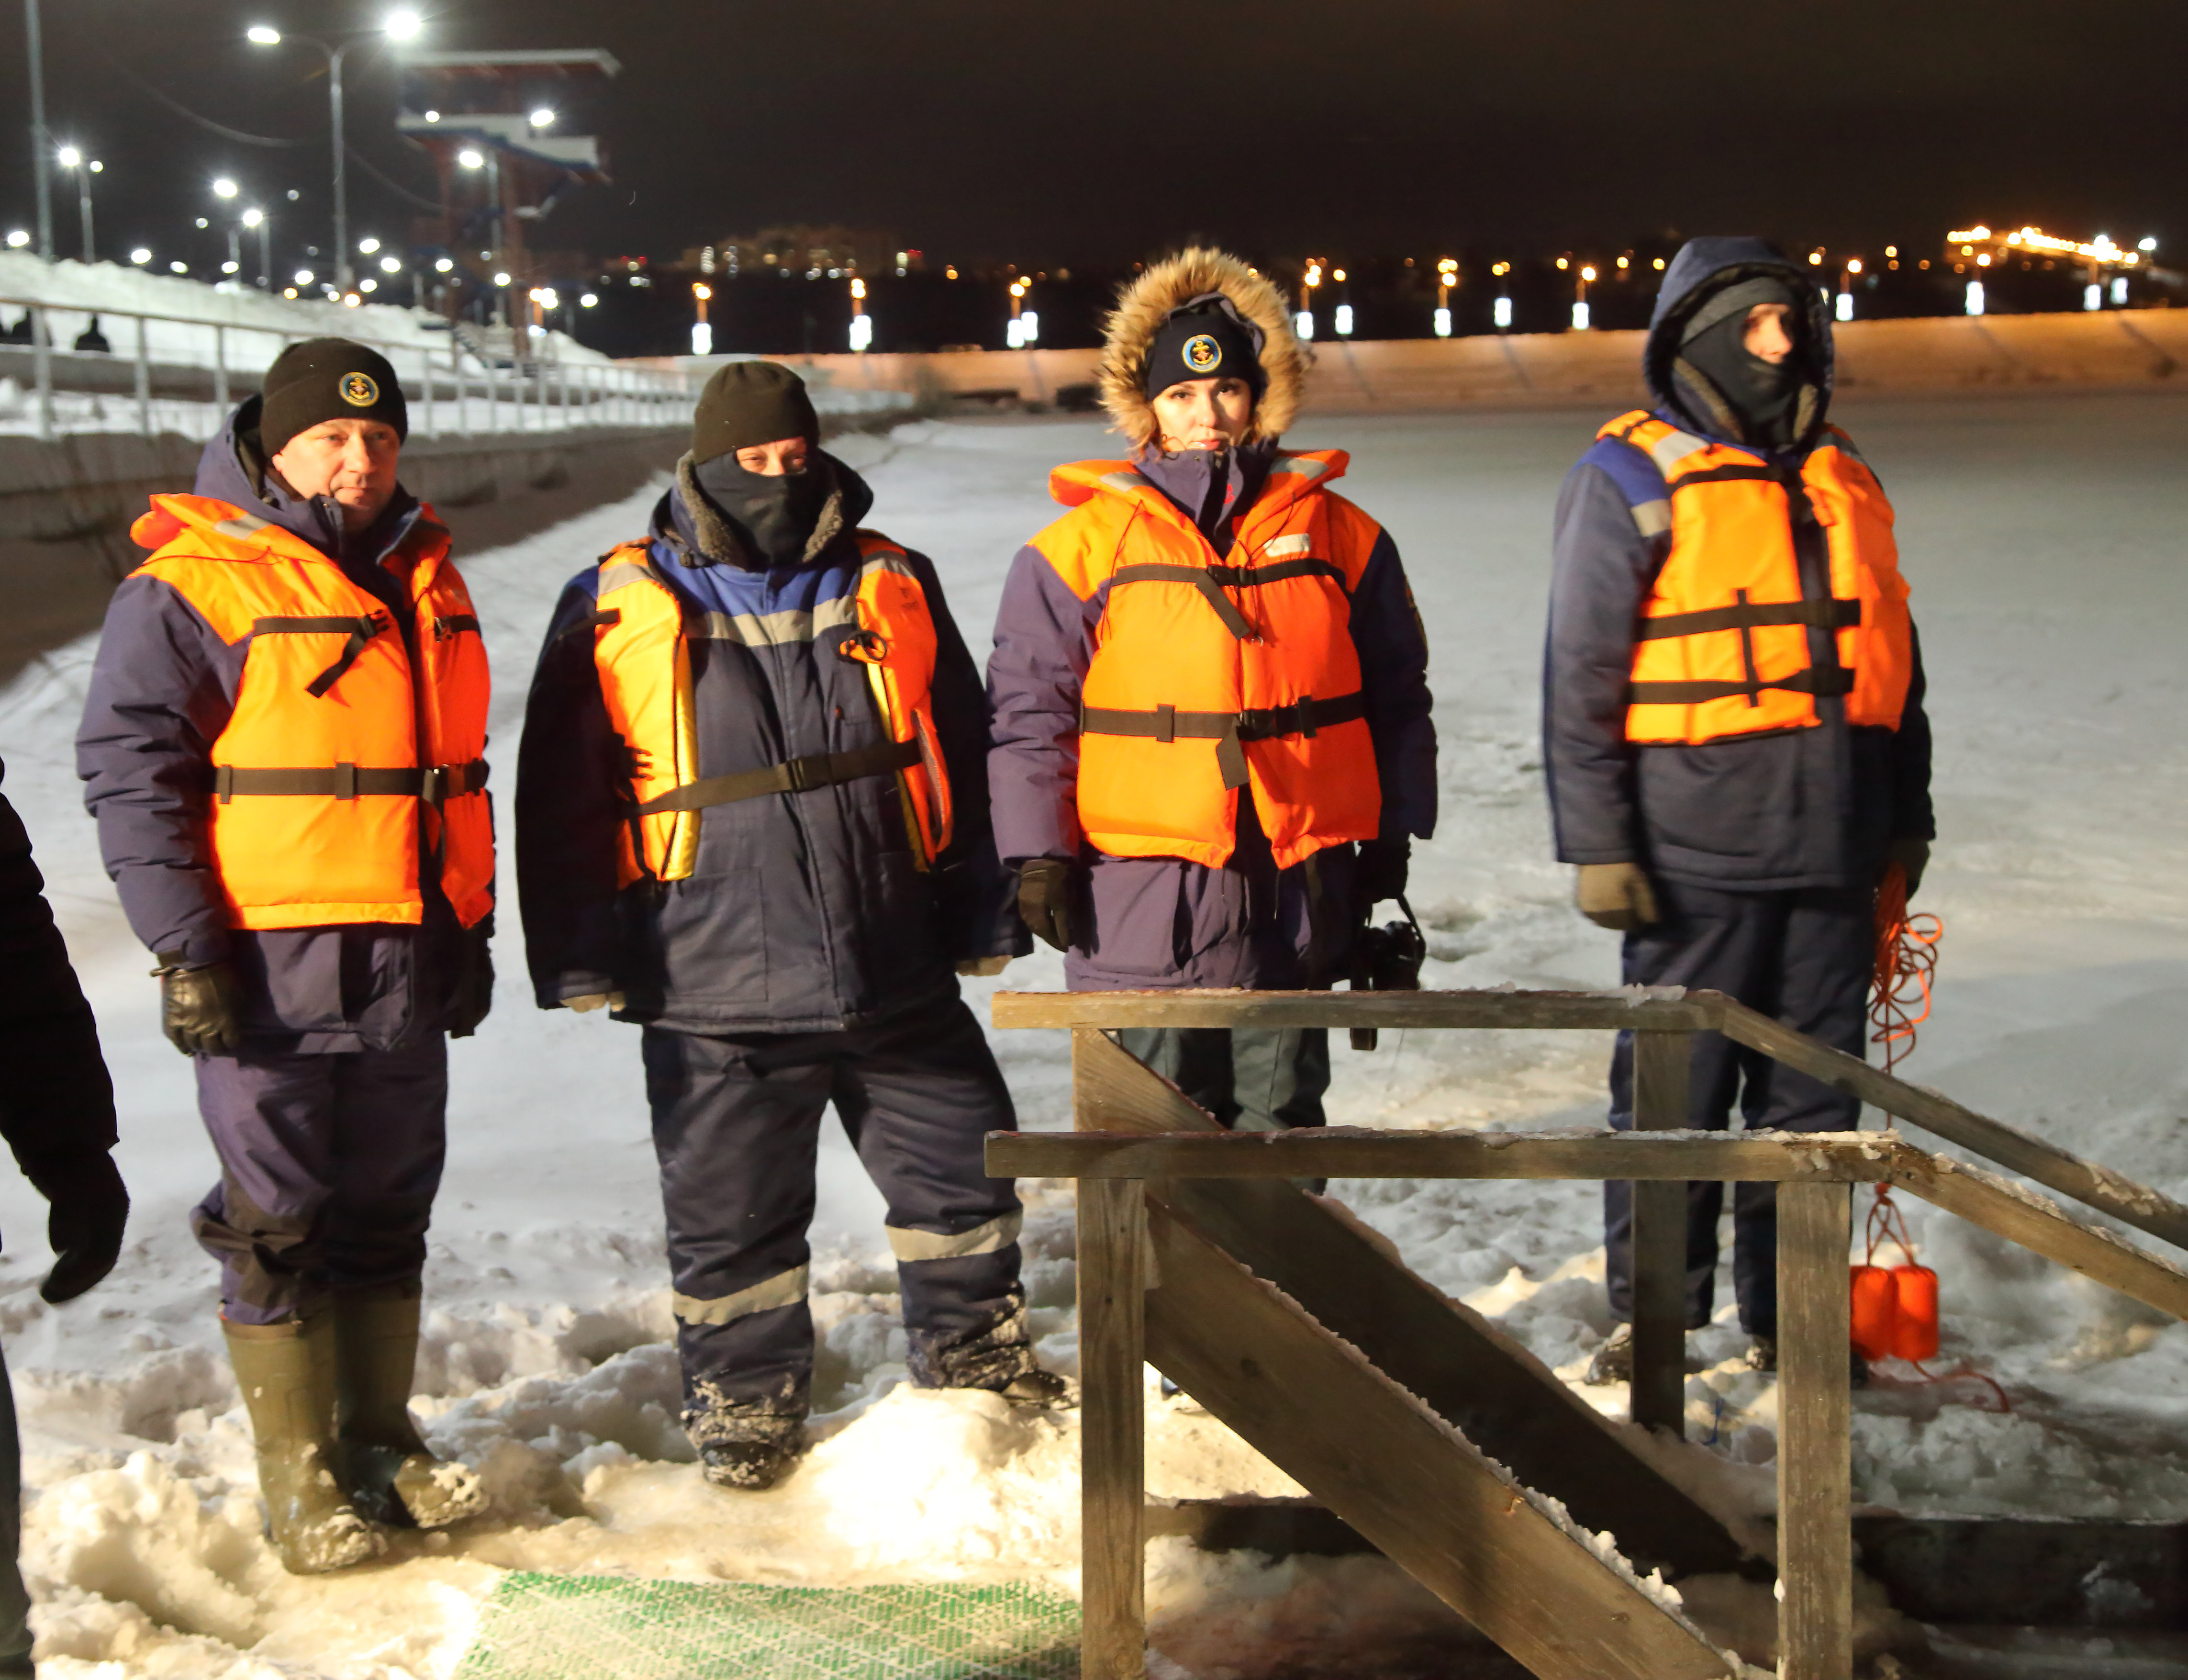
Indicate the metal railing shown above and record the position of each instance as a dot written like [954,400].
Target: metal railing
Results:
[1171,1272]
[541,392]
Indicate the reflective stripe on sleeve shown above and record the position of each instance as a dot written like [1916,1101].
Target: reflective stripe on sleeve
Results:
[785,1288]
[1653,519]
[1674,446]
[982,1239]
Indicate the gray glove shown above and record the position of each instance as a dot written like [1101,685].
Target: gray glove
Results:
[1616,895]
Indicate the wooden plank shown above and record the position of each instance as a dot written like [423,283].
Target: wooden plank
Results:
[1114,1090]
[1662,1007]
[2038,1223]
[1113,1428]
[2017,1151]
[1657,1397]
[1478,1379]
[1386,1464]
[1351,1152]
[1815,1474]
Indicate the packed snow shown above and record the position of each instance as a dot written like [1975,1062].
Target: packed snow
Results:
[2041,538]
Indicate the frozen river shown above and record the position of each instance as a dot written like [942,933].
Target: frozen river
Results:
[2044,540]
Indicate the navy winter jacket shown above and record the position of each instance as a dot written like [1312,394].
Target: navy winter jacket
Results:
[804,912]
[162,689]
[1804,808]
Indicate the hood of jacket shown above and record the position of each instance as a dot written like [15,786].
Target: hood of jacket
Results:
[1706,266]
[1143,306]
[693,528]
[234,470]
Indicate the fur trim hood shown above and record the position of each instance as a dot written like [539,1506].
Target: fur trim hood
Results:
[1144,305]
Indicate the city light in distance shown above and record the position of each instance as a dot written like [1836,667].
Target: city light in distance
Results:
[140,257]
[1853,265]
[1816,258]
[17,239]
[432,117]
[1500,268]
[1660,262]
[1337,274]
[68,157]
[179,267]
[223,188]
[1587,273]
[469,158]
[587,301]
[366,246]
[402,25]
[368,285]
[1621,262]
[303,277]
[202,222]
[2149,244]
[390,265]
[253,217]
[263,34]
[1563,264]
[350,299]
[542,118]
[501,279]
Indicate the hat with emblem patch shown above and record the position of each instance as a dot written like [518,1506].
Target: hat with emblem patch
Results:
[327,379]
[1205,337]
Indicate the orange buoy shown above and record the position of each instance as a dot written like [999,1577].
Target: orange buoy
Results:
[1915,1329]
[1875,1311]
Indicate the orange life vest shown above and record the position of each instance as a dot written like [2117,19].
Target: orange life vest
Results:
[340,764]
[1722,645]
[641,633]
[1211,675]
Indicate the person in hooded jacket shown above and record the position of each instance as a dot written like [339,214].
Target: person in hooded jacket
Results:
[1733,723]
[752,817]
[282,744]
[1212,720]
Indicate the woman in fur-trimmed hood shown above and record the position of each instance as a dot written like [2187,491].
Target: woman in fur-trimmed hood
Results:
[1212,738]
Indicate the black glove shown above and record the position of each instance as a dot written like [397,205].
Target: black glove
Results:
[89,1209]
[1912,854]
[199,1008]
[1048,890]
[472,997]
[1382,871]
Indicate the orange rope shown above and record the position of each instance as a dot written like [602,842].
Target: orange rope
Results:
[1906,958]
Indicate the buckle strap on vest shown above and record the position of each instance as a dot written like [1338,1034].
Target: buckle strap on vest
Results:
[435,784]
[360,631]
[796,776]
[1828,680]
[1212,580]
[1304,716]
[1837,613]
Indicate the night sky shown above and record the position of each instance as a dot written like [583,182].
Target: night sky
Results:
[1059,133]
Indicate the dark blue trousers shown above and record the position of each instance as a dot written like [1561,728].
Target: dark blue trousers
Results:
[329,1168]
[1801,957]
[737,1128]
[14,1597]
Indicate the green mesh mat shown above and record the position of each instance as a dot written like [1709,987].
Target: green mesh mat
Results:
[548,1627]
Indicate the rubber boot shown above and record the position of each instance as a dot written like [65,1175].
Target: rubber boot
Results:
[382,1460]
[287,1375]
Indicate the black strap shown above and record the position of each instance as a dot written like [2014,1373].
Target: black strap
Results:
[1835,614]
[1728,473]
[435,785]
[455,624]
[1830,680]
[1212,580]
[1305,716]
[360,631]
[819,770]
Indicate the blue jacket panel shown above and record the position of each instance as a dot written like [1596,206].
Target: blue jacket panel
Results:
[804,912]
[1804,808]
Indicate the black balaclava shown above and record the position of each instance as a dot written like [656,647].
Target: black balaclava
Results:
[1763,398]
[775,516]
[1204,337]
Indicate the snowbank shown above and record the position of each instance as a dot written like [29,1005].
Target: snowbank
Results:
[2039,537]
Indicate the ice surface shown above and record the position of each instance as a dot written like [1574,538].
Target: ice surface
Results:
[2042,540]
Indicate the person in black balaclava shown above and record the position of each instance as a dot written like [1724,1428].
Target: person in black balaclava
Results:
[1744,369]
[1733,724]
[751,816]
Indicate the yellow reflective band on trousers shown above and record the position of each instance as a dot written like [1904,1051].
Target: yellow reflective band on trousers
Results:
[1722,647]
[998,1233]
[785,1288]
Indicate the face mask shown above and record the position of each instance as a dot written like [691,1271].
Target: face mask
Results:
[776,515]
[1760,393]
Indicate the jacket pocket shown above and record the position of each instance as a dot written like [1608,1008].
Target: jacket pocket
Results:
[711,939]
[1137,909]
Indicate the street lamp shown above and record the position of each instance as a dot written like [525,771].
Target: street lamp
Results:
[703,332]
[255,217]
[542,118]
[70,157]
[402,25]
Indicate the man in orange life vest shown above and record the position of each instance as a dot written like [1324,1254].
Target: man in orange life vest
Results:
[752,817]
[282,745]
[1209,687]
[1733,720]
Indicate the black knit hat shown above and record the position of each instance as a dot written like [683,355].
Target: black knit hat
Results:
[748,403]
[1204,337]
[325,378]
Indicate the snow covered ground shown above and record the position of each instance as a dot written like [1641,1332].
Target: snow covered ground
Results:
[2042,537]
